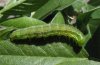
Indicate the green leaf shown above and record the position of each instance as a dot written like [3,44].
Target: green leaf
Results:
[21,5]
[29,60]
[19,8]
[59,19]
[5,31]
[56,53]
[53,50]
[51,6]
[83,6]
[93,25]
[64,4]
[83,53]
[11,4]
[96,14]
[48,8]
[22,22]
[94,2]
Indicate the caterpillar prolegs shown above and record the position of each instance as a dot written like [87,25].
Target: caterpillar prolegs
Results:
[49,30]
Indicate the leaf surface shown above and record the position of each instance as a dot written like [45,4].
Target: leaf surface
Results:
[28,60]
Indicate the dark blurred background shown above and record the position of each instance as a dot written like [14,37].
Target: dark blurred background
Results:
[93,45]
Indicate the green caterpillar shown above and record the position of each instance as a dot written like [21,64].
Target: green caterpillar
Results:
[49,30]
[55,28]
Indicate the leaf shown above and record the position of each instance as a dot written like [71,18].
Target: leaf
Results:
[83,6]
[5,31]
[96,14]
[22,22]
[93,25]
[64,4]
[30,60]
[83,53]
[47,8]
[11,4]
[51,6]
[19,8]
[59,19]
[94,2]
[53,50]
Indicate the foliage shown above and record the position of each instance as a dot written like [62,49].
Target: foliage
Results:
[29,34]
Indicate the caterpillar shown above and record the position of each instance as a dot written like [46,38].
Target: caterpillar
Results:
[49,30]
